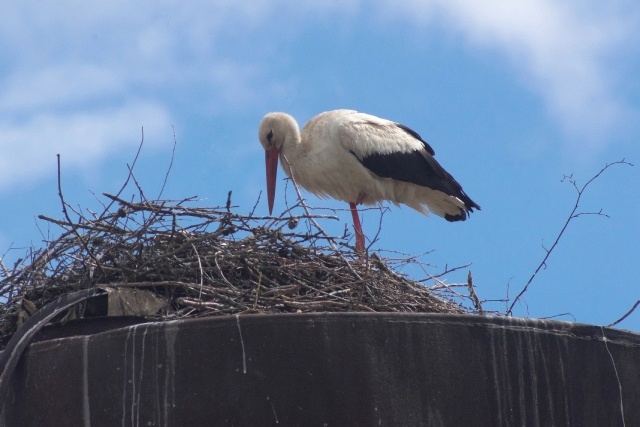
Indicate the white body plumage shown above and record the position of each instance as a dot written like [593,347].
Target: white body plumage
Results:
[360,158]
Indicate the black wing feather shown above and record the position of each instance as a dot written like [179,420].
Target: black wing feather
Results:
[417,167]
[417,136]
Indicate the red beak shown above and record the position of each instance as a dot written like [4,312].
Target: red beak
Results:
[271,158]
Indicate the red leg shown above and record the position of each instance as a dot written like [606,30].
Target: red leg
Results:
[358,228]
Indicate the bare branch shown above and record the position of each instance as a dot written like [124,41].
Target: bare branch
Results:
[133,164]
[572,215]
[5,272]
[472,294]
[383,210]
[555,316]
[625,315]
[317,226]
[66,214]
[173,155]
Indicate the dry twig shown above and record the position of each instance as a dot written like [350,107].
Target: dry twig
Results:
[574,214]
[625,315]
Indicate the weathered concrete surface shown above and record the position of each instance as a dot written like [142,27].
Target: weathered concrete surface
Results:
[339,369]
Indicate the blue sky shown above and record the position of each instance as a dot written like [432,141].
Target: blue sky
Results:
[511,95]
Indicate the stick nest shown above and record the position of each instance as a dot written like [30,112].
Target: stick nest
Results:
[207,262]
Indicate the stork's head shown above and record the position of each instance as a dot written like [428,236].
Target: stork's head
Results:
[276,131]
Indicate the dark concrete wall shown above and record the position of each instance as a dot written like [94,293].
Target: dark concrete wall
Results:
[339,369]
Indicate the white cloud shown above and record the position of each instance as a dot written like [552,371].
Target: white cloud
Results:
[57,86]
[82,139]
[562,50]
[81,80]
[73,74]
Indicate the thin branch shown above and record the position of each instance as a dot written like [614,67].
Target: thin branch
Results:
[66,214]
[625,315]
[195,250]
[555,316]
[173,154]
[572,215]
[320,229]
[126,182]
[135,181]
[4,268]
[472,294]
[383,210]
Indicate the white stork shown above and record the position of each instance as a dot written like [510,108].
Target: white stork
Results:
[361,159]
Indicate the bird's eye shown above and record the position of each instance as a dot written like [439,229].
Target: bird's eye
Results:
[269,136]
